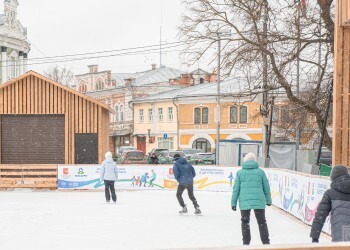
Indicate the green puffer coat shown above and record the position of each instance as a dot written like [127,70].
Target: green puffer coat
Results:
[251,187]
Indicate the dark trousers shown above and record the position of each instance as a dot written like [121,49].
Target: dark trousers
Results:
[181,189]
[109,188]
[260,217]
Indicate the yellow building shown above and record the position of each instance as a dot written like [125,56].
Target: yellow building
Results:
[187,117]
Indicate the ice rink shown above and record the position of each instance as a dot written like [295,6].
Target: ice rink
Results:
[139,220]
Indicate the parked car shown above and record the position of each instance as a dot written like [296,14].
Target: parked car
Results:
[167,157]
[132,157]
[190,151]
[202,158]
[122,149]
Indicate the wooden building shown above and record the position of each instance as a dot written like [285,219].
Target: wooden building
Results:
[341,96]
[44,122]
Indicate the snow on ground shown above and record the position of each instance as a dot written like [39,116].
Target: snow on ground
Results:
[139,220]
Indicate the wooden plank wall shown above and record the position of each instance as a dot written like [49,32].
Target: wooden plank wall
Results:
[33,95]
[341,95]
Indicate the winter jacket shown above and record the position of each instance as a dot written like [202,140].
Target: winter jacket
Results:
[251,187]
[336,201]
[183,172]
[109,170]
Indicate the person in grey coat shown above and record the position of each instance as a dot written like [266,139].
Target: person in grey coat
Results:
[335,201]
[109,175]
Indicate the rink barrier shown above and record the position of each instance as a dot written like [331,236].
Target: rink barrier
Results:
[313,246]
[28,176]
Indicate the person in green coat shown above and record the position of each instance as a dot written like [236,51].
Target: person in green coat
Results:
[252,190]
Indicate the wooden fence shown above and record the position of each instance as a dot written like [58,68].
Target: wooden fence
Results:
[28,176]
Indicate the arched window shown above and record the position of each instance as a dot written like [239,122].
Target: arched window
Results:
[205,115]
[243,115]
[197,115]
[233,114]
[203,144]
[121,113]
[99,85]
[116,115]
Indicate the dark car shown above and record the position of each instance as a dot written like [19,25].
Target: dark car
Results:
[167,157]
[132,157]
[155,151]
[202,158]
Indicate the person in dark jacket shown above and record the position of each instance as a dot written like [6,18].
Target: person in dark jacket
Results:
[252,190]
[336,201]
[184,174]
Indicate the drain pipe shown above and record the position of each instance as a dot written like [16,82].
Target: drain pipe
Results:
[177,125]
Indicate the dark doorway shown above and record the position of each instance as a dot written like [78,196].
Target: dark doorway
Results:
[141,143]
[86,149]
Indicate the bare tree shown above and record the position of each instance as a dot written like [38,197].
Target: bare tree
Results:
[63,76]
[296,34]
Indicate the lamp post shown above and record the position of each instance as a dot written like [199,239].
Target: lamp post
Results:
[218,108]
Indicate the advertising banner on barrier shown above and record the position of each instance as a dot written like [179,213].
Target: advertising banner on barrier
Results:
[298,194]
[208,178]
[129,177]
[295,193]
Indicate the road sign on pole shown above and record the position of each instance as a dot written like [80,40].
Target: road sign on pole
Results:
[165,136]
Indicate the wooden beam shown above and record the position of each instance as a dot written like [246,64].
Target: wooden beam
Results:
[32,95]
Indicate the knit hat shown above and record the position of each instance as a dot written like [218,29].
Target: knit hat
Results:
[249,157]
[108,154]
[338,171]
[177,156]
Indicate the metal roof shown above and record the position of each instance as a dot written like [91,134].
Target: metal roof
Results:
[229,87]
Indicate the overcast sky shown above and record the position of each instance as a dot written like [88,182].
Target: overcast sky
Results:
[63,27]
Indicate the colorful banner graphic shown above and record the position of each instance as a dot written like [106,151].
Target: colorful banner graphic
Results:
[295,193]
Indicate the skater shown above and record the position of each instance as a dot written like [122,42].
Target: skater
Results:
[133,180]
[109,174]
[336,201]
[231,179]
[138,181]
[184,174]
[144,179]
[153,178]
[252,190]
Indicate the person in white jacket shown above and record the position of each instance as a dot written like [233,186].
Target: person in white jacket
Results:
[109,175]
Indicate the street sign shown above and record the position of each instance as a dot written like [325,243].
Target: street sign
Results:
[165,136]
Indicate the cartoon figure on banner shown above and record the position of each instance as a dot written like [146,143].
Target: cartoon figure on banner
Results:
[138,181]
[231,178]
[133,180]
[301,202]
[153,178]
[144,179]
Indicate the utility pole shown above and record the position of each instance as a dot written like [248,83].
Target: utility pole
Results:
[297,122]
[265,83]
[218,109]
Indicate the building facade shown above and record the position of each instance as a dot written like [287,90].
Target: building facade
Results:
[13,42]
[120,89]
[187,117]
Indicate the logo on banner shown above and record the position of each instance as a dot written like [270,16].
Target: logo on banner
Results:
[66,171]
[81,173]
[65,175]
[171,171]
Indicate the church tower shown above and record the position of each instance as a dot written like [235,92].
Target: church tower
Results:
[13,43]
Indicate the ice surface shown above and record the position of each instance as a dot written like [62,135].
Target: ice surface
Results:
[139,220]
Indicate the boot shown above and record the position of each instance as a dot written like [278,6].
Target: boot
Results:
[184,210]
[197,211]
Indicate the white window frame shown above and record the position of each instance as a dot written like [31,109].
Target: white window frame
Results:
[150,115]
[141,116]
[165,143]
[121,111]
[116,115]
[160,114]
[170,114]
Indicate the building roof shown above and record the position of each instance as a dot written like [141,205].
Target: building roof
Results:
[227,88]
[35,74]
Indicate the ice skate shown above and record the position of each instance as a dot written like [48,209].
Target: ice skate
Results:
[197,211]
[184,210]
